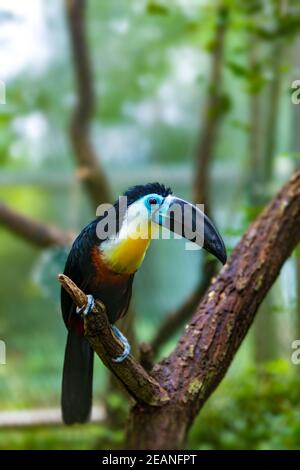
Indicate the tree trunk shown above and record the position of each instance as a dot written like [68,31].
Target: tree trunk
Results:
[163,429]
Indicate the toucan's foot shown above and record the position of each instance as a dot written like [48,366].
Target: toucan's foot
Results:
[88,307]
[125,343]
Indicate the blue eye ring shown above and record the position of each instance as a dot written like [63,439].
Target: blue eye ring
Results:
[153,200]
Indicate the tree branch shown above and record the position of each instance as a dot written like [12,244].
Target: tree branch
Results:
[140,385]
[90,170]
[205,350]
[37,233]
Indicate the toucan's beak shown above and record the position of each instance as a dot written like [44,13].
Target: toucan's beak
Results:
[187,220]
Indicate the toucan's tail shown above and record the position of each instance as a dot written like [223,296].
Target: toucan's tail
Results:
[77,382]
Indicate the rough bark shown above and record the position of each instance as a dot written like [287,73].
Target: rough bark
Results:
[90,170]
[36,233]
[209,343]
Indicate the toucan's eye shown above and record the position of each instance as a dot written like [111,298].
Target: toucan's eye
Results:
[152,201]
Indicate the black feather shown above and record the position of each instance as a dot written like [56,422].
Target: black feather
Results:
[136,192]
[78,268]
[77,384]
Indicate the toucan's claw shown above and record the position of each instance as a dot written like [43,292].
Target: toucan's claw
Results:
[88,307]
[125,343]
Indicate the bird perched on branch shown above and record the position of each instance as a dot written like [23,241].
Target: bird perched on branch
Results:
[103,261]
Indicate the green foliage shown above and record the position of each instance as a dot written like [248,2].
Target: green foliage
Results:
[284,27]
[154,8]
[259,409]
[222,103]
[255,77]
[296,252]
[63,438]
[251,212]
[250,7]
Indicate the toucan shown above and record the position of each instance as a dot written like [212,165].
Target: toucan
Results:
[103,261]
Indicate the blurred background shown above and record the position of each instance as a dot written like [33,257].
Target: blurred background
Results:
[100,95]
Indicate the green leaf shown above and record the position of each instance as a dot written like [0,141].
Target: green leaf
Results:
[252,211]
[154,8]
[296,252]
[237,69]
